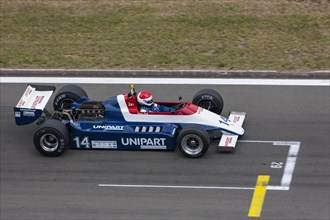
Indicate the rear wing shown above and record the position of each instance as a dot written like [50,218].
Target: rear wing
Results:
[32,103]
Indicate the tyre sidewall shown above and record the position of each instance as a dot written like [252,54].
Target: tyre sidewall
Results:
[60,98]
[68,92]
[211,95]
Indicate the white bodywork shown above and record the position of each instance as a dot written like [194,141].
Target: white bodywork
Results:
[201,117]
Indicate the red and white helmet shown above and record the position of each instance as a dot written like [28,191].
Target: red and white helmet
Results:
[145,98]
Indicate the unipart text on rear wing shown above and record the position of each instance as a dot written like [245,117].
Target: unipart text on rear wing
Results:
[32,103]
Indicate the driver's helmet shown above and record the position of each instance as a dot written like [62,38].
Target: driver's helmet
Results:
[144,98]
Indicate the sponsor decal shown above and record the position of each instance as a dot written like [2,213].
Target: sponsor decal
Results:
[109,127]
[104,144]
[21,103]
[28,91]
[130,104]
[37,100]
[228,141]
[236,119]
[29,113]
[17,114]
[145,143]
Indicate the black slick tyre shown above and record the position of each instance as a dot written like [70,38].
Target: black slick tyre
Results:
[67,95]
[51,138]
[193,141]
[209,99]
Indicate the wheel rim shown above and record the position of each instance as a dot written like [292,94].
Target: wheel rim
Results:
[49,142]
[192,144]
[66,103]
[207,104]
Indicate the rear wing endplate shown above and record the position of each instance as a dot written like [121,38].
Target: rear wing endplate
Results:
[32,103]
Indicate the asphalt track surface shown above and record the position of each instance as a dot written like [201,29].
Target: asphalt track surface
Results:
[166,185]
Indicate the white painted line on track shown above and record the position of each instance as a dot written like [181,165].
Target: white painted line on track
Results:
[285,181]
[168,81]
[290,161]
[269,187]
[175,187]
[137,70]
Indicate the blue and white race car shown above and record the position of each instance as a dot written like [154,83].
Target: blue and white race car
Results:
[118,123]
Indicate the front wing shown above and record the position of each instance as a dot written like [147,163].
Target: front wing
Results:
[228,141]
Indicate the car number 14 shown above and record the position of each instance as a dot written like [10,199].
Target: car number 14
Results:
[83,143]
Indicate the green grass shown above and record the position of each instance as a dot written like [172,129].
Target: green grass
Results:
[237,34]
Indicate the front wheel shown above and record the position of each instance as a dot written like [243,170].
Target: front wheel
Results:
[193,141]
[51,138]
[209,99]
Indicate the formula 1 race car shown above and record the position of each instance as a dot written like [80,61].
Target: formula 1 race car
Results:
[118,123]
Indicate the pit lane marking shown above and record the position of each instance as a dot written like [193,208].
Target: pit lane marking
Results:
[258,196]
[290,164]
[294,147]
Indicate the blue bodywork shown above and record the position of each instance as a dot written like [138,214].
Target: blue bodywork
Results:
[24,116]
[114,132]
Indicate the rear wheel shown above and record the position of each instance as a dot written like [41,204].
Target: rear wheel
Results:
[193,141]
[67,95]
[51,138]
[209,99]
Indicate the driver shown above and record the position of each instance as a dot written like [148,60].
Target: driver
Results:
[146,103]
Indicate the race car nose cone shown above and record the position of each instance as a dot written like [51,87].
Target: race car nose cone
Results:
[241,131]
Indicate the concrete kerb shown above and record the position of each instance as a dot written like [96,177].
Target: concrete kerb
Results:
[255,74]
